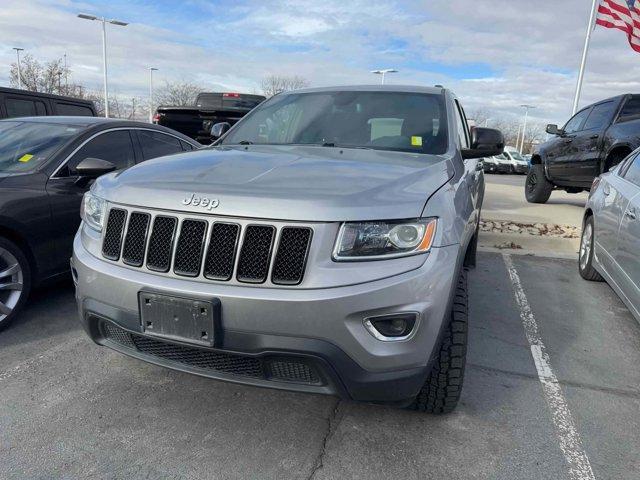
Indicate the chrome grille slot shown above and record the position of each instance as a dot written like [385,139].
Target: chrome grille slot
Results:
[255,254]
[112,243]
[136,238]
[189,249]
[291,256]
[161,243]
[221,253]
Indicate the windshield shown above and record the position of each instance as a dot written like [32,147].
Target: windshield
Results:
[516,156]
[405,122]
[26,145]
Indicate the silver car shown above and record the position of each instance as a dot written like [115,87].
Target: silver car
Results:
[611,232]
[320,246]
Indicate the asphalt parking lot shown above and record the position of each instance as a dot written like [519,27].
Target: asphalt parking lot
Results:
[71,409]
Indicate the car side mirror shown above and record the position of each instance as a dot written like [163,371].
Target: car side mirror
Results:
[485,142]
[552,129]
[219,129]
[92,168]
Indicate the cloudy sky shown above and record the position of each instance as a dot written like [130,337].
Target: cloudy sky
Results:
[495,54]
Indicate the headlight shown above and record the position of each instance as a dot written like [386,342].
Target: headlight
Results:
[93,210]
[385,239]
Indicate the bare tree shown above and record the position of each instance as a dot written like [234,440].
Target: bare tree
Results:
[39,77]
[179,93]
[274,84]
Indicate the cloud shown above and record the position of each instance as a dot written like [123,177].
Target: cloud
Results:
[495,54]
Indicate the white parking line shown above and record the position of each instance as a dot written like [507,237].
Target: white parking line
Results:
[570,442]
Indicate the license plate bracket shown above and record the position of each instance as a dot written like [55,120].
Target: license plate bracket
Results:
[188,320]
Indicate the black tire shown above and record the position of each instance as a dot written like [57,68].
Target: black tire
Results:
[8,297]
[537,189]
[585,256]
[443,386]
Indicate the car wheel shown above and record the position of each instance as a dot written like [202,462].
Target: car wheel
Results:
[537,189]
[441,391]
[15,281]
[585,258]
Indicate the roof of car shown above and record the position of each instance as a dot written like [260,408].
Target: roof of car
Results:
[64,119]
[373,88]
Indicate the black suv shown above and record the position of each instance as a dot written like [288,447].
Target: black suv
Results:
[596,139]
[23,103]
[46,165]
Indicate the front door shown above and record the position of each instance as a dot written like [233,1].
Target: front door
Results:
[65,192]
[560,153]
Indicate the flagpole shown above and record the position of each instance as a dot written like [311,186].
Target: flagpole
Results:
[587,41]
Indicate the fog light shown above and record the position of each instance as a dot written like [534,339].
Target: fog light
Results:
[392,328]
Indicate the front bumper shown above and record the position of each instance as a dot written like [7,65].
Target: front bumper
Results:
[318,334]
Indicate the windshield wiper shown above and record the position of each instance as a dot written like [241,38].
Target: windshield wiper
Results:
[245,142]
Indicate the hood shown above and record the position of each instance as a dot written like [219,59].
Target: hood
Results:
[304,183]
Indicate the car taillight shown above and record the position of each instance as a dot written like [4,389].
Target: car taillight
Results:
[156,118]
[234,95]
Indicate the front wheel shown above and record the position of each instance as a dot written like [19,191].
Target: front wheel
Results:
[537,189]
[585,259]
[15,281]
[441,391]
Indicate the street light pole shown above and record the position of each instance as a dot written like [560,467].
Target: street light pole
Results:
[18,50]
[104,52]
[524,126]
[383,72]
[151,70]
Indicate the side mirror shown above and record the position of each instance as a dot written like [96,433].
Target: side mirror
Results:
[485,142]
[219,129]
[552,129]
[92,168]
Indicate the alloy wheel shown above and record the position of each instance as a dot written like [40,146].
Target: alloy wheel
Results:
[532,180]
[11,283]
[585,246]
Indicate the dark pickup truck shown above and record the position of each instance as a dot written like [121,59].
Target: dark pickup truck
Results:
[23,103]
[210,108]
[596,139]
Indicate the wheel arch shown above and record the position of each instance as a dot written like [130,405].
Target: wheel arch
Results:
[621,149]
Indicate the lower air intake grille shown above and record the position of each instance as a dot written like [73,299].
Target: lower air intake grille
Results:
[291,257]
[189,249]
[275,369]
[113,234]
[161,244]
[253,264]
[136,238]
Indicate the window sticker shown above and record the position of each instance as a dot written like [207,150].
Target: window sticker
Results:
[25,158]
[416,141]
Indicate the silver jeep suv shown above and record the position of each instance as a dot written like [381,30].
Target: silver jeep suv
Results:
[320,246]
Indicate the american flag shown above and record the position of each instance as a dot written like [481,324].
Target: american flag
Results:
[623,15]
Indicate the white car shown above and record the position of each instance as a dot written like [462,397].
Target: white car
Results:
[517,160]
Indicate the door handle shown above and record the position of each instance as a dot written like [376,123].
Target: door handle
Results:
[593,137]
[606,190]
[631,213]
[568,140]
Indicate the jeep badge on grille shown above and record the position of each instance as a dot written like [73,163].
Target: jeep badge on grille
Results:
[204,202]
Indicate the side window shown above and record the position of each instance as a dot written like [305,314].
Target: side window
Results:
[633,172]
[156,144]
[73,110]
[18,107]
[41,110]
[463,132]
[631,110]
[575,124]
[115,147]
[600,116]
[187,147]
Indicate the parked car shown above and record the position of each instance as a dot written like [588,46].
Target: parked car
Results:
[23,103]
[497,164]
[595,140]
[46,165]
[210,108]
[611,232]
[320,246]
[518,162]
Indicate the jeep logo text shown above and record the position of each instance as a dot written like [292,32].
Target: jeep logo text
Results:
[204,202]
